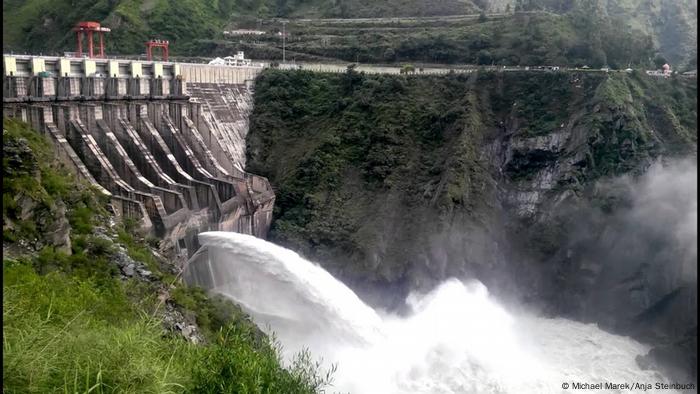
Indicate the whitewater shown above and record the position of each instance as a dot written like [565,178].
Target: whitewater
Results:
[456,339]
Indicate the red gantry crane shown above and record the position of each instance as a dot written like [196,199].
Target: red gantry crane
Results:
[157,44]
[89,28]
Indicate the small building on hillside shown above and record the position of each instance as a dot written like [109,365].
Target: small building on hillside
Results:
[238,60]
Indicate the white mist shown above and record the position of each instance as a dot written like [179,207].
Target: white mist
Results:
[457,339]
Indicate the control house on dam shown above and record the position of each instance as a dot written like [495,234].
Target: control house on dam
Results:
[164,141]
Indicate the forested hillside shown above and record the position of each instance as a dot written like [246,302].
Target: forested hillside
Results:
[596,32]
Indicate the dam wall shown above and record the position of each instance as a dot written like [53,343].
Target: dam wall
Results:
[225,93]
[172,162]
[152,162]
[226,109]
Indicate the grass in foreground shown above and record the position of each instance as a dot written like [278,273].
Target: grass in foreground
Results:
[66,334]
[70,325]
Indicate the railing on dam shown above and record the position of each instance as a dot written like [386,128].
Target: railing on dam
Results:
[371,69]
[49,78]
[204,73]
[70,77]
[42,88]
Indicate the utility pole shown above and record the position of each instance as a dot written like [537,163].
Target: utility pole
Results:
[284,41]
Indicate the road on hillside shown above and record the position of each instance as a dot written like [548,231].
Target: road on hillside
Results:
[407,19]
[395,69]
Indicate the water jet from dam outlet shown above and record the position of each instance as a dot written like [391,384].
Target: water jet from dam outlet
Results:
[457,338]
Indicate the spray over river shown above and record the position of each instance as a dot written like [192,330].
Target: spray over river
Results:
[457,339]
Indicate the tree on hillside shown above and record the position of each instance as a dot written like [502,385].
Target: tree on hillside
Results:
[484,57]
[263,11]
[693,62]
[659,61]
[340,9]
[226,6]
[281,8]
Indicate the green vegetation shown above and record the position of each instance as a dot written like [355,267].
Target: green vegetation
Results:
[65,332]
[375,174]
[645,117]
[353,155]
[70,324]
[616,33]
[45,26]
[37,187]
[68,333]
[521,39]
[212,312]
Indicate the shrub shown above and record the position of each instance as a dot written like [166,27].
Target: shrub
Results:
[235,366]
[64,333]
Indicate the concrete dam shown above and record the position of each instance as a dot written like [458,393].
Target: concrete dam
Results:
[164,141]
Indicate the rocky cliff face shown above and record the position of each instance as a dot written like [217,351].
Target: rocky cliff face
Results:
[530,182]
[603,216]
[30,215]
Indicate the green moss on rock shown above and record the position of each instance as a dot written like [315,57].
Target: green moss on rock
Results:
[373,173]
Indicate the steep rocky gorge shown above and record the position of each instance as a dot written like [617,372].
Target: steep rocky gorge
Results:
[527,181]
